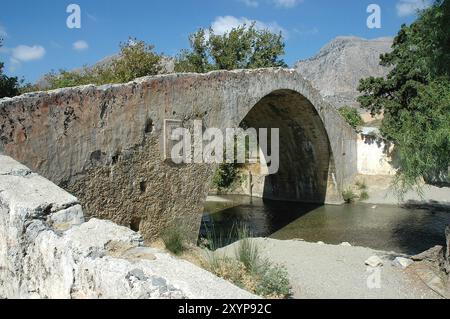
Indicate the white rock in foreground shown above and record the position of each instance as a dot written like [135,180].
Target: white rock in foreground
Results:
[47,251]
[402,263]
[346,244]
[374,262]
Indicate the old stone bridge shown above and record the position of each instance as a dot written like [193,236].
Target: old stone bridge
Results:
[104,144]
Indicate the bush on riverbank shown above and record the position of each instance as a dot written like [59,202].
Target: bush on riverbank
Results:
[352,116]
[225,176]
[173,238]
[248,269]
[358,191]
[364,196]
[349,196]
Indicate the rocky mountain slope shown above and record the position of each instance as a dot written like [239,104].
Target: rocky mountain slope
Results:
[338,67]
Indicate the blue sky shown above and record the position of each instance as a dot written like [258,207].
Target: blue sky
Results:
[37,39]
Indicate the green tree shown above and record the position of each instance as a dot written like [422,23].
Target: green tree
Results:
[63,79]
[136,59]
[352,116]
[9,86]
[415,96]
[195,60]
[244,47]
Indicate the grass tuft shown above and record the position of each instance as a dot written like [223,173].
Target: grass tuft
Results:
[364,196]
[173,238]
[248,269]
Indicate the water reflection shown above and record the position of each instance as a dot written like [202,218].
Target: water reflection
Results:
[383,227]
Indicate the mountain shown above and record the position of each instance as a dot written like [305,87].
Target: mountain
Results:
[336,70]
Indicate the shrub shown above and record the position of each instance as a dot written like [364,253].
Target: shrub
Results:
[274,282]
[264,279]
[231,270]
[349,196]
[352,116]
[225,176]
[9,86]
[136,59]
[173,238]
[248,269]
[364,196]
[247,253]
[361,185]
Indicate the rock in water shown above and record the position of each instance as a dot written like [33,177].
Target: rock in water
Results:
[374,262]
[339,66]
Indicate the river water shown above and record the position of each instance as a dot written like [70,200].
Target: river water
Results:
[381,227]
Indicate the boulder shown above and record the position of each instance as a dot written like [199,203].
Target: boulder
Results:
[433,255]
[402,263]
[48,251]
[346,244]
[374,262]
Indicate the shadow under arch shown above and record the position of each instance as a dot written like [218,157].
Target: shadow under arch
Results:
[306,161]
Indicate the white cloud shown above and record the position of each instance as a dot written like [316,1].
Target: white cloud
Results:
[278,3]
[222,25]
[25,53]
[409,7]
[80,45]
[287,3]
[250,3]
[304,32]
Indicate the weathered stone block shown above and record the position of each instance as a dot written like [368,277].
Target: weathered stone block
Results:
[47,251]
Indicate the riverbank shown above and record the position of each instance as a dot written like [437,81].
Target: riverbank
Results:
[381,192]
[321,271]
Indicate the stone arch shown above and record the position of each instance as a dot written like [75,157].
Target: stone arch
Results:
[306,159]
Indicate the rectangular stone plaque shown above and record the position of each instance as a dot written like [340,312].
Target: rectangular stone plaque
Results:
[169,127]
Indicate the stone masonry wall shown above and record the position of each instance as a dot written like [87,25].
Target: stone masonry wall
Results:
[103,144]
[47,250]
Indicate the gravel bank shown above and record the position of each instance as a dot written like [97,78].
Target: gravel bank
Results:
[325,271]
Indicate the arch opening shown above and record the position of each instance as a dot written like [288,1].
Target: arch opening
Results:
[304,149]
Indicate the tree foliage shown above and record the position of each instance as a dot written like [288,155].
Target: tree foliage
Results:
[244,47]
[136,59]
[9,86]
[352,116]
[415,96]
